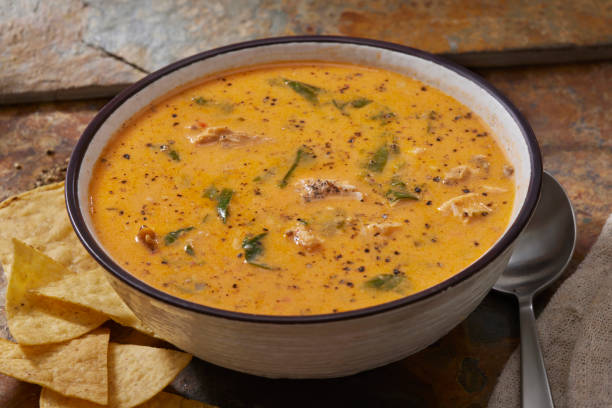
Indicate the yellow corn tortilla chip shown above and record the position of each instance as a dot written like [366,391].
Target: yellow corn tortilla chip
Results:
[36,320]
[39,218]
[51,399]
[135,375]
[91,289]
[76,368]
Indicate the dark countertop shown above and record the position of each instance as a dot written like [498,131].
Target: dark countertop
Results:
[569,106]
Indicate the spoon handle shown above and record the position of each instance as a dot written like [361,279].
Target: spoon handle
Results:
[534,382]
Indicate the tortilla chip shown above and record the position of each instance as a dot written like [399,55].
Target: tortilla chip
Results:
[91,289]
[136,374]
[35,320]
[39,218]
[51,399]
[76,368]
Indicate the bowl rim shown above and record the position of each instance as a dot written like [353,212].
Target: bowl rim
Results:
[98,253]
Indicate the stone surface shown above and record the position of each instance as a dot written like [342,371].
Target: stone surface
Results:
[70,49]
[42,55]
[569,108]
[35,139]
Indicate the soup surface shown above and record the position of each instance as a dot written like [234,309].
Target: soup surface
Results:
[294,189]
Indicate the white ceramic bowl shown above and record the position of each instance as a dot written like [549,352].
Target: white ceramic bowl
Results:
[318,346]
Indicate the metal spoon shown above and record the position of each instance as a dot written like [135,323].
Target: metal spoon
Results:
[541,254]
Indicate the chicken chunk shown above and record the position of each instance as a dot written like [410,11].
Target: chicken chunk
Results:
[304,237]
[417,151]
[147,237]
[465,206]
[458,173]
[493,189]
[384,228]
[316,189]
[222,134]
[480,161]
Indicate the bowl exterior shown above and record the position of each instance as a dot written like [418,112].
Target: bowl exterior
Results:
[315,350]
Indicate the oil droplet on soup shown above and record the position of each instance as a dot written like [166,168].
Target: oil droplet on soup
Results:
[295,189]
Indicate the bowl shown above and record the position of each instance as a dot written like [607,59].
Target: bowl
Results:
[327,345]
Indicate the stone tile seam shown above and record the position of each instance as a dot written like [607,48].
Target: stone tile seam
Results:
[115,57]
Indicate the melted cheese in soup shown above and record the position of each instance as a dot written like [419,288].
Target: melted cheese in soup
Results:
[295,189]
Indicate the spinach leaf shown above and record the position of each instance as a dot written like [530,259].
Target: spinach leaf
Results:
[396,195]
[253,247]
[384,117]
[301,153]
[174,155]
[360,102]
[225,107]
[200,100]
[339,105]
[265,175]
[189,250]
[211,192]
[431,117]
[309,92]
[223,201]
[379,159]
[386,281]
[355,103]
[173,235]
[399,191]
[222,198]
[396,182]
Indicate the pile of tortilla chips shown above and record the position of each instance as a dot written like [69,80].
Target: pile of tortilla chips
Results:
[56,300]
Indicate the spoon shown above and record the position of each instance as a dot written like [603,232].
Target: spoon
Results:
[541,254]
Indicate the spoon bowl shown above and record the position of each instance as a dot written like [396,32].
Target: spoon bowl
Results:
[545,247]
[541,254]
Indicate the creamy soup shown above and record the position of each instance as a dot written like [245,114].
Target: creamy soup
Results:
[295,189]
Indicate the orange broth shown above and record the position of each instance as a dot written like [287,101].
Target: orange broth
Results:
[305,188]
